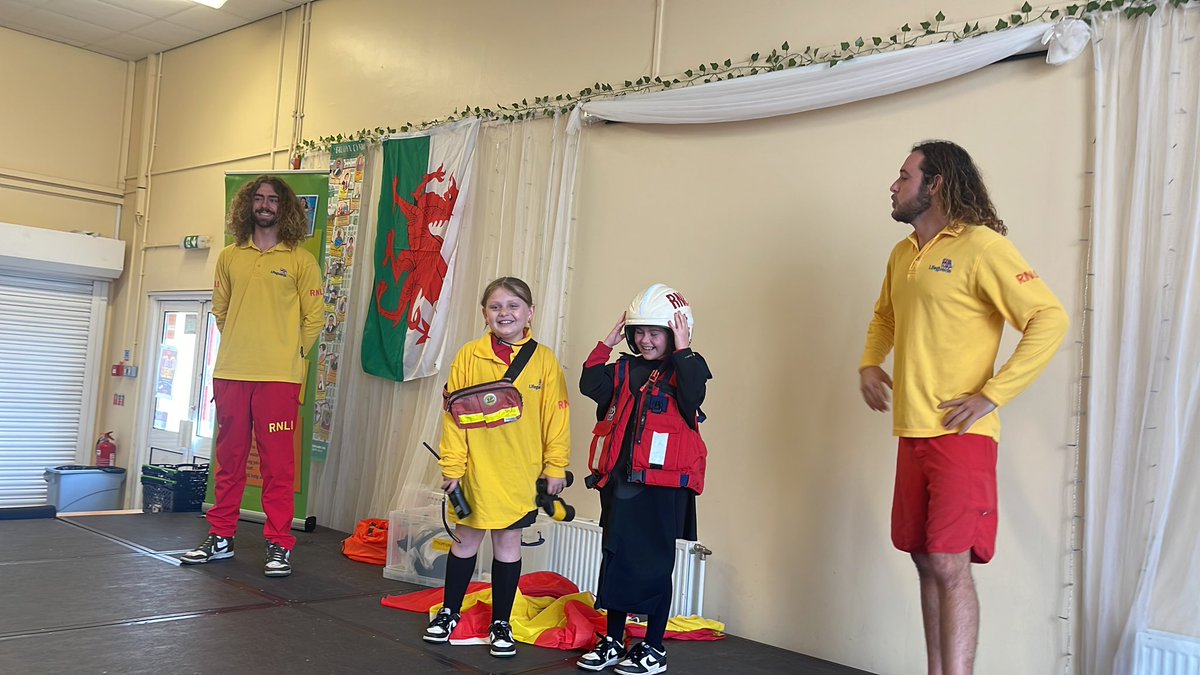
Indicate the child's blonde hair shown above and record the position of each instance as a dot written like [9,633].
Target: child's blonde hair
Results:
[512,285]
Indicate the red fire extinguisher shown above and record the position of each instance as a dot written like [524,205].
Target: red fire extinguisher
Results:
[106,450]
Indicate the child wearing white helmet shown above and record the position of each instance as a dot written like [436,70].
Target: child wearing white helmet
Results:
[647,460]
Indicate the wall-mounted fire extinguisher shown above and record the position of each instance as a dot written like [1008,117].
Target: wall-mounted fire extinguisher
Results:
[106,450]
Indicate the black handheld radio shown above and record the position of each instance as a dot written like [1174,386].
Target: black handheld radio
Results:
[457,499]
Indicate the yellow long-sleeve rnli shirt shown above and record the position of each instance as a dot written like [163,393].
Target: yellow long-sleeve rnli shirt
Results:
[499,466]
[268,306]
[943,308]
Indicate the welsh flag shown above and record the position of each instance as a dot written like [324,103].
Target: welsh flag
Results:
[424,191]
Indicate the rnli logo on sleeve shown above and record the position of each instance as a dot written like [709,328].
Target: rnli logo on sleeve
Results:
[281,272]
[947,266]
[489,399]
[1027,275]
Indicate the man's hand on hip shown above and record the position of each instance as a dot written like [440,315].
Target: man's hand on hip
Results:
[964,412]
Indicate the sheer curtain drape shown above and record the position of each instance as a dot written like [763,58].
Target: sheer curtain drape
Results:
[517,223]
[1142,531]
[813,87]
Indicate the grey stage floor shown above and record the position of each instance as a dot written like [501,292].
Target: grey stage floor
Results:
[104,594]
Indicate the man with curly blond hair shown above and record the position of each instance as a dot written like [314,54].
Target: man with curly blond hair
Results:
[949,288]
[267,300]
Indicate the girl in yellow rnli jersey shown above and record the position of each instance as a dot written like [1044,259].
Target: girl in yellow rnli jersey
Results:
[497,462]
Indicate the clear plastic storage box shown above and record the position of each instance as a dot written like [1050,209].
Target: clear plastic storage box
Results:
[418,546]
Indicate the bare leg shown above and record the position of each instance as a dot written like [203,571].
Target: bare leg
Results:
[469,541]
[957,616]
[931,607]
[506,545]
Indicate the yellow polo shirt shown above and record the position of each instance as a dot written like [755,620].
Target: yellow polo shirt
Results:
[268,306]
[944,308]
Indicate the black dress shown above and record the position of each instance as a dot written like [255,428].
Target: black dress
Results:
[642,522]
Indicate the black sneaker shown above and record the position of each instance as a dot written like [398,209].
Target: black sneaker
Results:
[607,652]
[441,626]
[279,561]
[214,547]
[643,660]
[502,640]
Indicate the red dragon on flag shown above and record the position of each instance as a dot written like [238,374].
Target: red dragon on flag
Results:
[426,219]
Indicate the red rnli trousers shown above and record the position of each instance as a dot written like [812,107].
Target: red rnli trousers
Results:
[271,411]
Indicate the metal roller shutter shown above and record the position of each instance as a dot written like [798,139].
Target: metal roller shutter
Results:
[45,342]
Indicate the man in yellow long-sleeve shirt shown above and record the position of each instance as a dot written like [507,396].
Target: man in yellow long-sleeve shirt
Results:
[949,288]
[268,301]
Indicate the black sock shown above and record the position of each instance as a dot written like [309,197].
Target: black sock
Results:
[616,625]
[656,628]
[458,577]
[505,576]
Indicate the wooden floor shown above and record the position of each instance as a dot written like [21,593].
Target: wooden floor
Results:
[104,594]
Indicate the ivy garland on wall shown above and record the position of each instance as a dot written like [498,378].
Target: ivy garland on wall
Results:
[933,31]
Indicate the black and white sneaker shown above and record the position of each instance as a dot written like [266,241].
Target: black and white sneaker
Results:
[279,561]
[607,652]
[643,660]
[441,626]
[503,645]
[214,547]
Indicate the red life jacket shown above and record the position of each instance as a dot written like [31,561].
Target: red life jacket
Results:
[667,451]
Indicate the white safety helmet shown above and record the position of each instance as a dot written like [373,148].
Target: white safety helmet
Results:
[655,306]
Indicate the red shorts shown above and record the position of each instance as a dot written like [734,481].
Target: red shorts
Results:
[945,498]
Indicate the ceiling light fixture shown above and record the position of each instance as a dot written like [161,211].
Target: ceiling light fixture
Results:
[215,4]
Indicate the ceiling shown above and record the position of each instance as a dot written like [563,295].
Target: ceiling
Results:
[132,29]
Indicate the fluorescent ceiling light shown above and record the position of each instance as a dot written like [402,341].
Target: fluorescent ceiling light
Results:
[215,4]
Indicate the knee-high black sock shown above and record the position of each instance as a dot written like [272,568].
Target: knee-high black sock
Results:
[616,625]
[656,628]
[505,576]
[458,577]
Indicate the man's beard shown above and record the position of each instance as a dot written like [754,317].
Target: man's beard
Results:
[259,221]
[907,213]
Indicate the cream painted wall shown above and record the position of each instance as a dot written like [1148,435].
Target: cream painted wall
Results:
[777,230]
[417,61]
[61,162]
[226,99]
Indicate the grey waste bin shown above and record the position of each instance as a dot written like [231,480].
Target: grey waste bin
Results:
[84,488]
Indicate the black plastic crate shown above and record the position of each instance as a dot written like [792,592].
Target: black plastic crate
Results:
[173,487]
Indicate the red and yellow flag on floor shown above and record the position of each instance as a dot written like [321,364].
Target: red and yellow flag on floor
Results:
[549,611]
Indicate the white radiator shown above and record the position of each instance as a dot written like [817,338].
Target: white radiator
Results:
[574,552]
[1159,653]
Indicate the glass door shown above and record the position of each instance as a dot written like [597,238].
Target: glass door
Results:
[182,415]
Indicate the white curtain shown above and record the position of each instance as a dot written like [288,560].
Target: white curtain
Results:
[821,86]
[517,224]
[1142,531]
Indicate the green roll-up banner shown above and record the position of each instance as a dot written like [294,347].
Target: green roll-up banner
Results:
[313,189]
